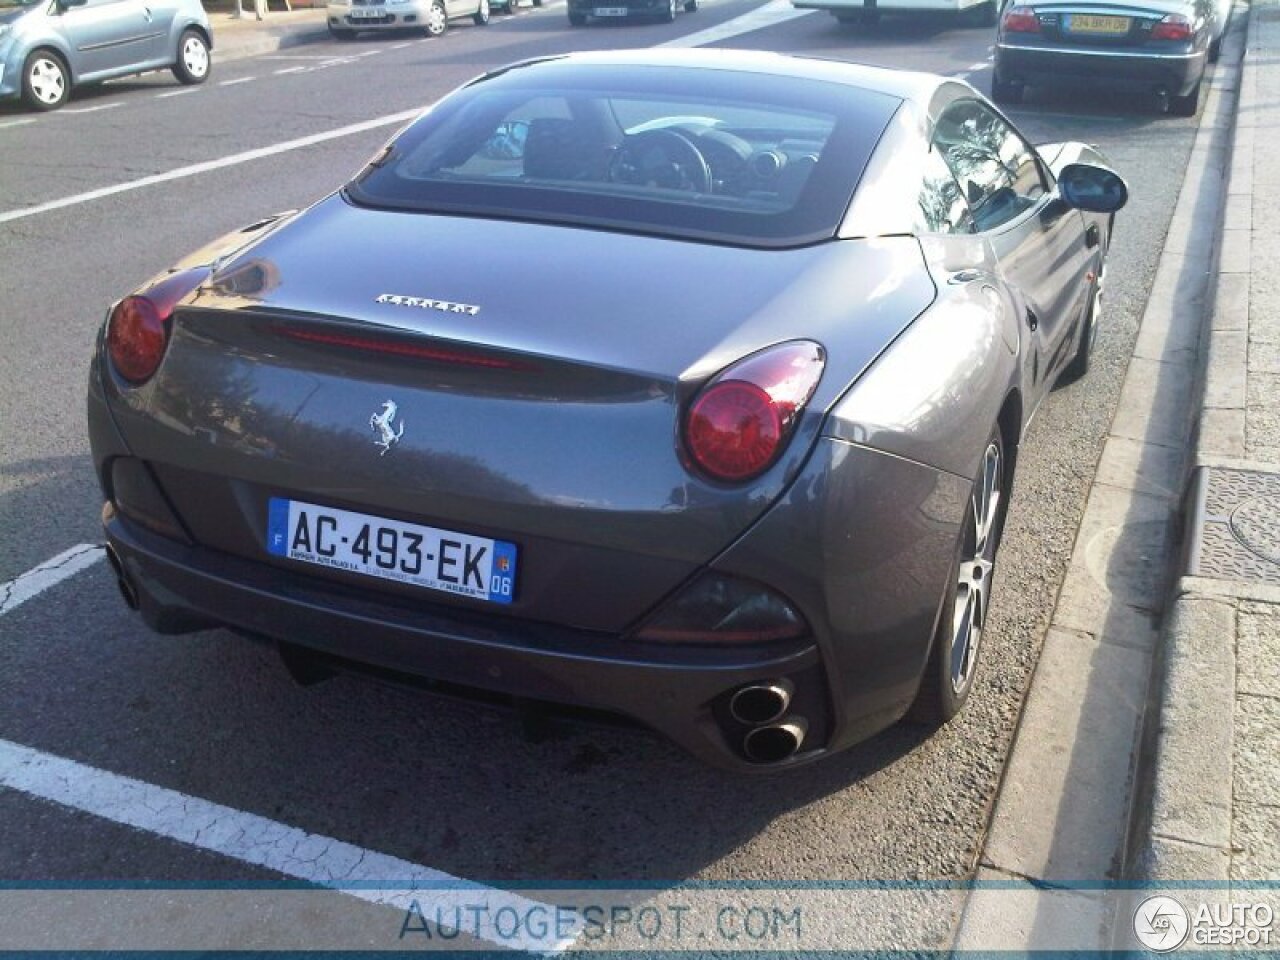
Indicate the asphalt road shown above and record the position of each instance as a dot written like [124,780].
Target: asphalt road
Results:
[454,786]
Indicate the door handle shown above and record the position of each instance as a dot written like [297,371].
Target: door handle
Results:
[1032,320]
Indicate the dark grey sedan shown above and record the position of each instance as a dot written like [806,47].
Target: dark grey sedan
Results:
[725,450]
[1159,47]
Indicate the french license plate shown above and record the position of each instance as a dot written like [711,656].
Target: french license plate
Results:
[369,13]
[610,11]
[1095,25]
[392,550]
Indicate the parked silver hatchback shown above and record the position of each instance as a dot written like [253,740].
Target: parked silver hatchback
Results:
[47,47]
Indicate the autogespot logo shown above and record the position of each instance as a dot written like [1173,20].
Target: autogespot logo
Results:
[1161,924]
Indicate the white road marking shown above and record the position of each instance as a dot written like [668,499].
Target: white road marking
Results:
[289,70]
[974,67]
[369,53]
[20,121]
[102,106]
[249,838]
[19,590]
[233,160]
[176,93]
[399,46]
[232,83]
[298,56]
[771,14]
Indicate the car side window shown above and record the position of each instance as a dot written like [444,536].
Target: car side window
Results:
[996,169]
[943,208]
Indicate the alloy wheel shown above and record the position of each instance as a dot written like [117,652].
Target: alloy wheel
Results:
[973,587]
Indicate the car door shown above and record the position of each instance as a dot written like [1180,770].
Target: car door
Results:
[1038,240]
[107,36]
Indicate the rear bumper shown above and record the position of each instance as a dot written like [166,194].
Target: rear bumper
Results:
[680,693]
[1053,66]
[892,6]
[633,8]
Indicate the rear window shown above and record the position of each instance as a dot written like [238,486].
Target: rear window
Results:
[737,158]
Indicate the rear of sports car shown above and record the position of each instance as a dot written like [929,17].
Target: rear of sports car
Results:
[1147,47]
[607,482]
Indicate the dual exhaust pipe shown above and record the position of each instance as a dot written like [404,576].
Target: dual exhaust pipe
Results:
[774,737]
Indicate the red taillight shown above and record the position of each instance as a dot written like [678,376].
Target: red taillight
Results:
[1173,27]
[739,424]
[1020,20]
[138,329]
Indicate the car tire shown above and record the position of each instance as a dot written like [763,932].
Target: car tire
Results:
[510,8]
[577,19]
[46,81]
[1188,105]
[482,15]
[437,20]
[1003,91]
[193,64]
[946,684]
[669,14]
[1079,364]
[537,3]
[690,6]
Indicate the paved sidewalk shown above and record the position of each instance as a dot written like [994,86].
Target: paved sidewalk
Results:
[1215,812]
[236,38]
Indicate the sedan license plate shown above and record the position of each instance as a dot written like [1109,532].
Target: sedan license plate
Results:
[456,563]
[369,13]
[1095,25]
[610,11]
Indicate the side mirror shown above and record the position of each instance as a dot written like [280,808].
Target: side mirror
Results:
[1085,186]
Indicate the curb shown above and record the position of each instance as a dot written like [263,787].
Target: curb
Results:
[240,44]
[1072,794]
[1193,757]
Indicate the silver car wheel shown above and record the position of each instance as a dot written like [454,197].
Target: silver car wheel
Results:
[437,19]
[973,586]
[195,57]
[48,81]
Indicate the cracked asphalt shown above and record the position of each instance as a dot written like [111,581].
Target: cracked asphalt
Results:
[446,785]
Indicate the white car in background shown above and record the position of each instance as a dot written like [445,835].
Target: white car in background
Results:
[977,13]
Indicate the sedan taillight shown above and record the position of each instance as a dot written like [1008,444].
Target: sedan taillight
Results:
[138,328]
[742,420]
[1020,20]
[1173,27]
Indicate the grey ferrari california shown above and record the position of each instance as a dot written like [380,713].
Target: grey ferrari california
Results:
[723,447]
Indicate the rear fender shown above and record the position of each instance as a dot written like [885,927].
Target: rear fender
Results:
[935,394]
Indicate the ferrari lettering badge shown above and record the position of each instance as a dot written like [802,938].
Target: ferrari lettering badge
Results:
[426,303]
[381,424]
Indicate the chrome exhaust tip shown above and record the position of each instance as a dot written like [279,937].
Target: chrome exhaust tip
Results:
[127,590]
[761,703]
[776,742]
